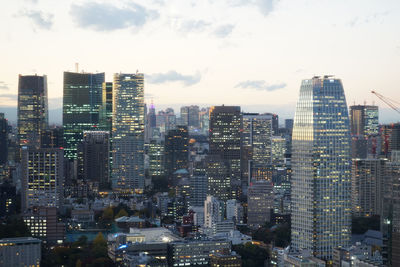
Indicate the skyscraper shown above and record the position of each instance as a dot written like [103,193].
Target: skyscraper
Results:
[32,109]
[256,142]
[176,149]
[96,158]
[106,107]
[42,177]
[364,120]
[321,181]
[128,132]
[367,178]
[3,139]
[81,108]
[225,143]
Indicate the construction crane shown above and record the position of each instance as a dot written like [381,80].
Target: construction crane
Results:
[390,102]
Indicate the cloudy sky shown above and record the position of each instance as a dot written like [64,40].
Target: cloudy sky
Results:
[252,53]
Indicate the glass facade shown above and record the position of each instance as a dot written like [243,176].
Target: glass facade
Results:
[321,181]
[225,142]
[32,109]
[128,132]
[364,120]
[81,108]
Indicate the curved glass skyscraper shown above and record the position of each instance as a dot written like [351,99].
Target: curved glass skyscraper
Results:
[321,181]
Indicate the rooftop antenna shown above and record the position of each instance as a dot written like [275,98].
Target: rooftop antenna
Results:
[76,67]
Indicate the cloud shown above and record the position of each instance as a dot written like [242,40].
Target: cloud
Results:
[188,26]
[173,76]
[9,97]
[106,17]
[40,19]
[264,6]
[260,85]
[3,86]
[224,30]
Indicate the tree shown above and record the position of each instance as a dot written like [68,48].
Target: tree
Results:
[108,215]
[362,224]
[99,240]
[78,263]
[252,255]
[14,227]
[121,213]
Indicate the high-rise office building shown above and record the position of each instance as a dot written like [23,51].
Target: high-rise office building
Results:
[198,189]
[190,116]
[82,101]
[166,120]
[278,145]
[128,132]
[20,251]
[42,177]
[367,186]
[256,143]
[32,109]
[225,143]
[260,202]
[390,137]
[156,158]
[176,149]
[96,158]
[3,139]
[364,120]
[289,124]
[52,138]
[204,116]
[106,107]
[321,180]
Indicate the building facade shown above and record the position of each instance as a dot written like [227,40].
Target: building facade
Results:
[82,100]
[32,109]
[42,177]
[20,251]
[260,203]
[128,132]
[321,180]
[176,149]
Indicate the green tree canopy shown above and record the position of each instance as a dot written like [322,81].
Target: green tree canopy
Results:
[121,213]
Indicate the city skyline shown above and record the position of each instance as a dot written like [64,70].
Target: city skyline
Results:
[191,54]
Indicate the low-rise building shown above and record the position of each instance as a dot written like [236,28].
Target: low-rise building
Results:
[20,251]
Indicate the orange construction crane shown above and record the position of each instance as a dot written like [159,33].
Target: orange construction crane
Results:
[390,102]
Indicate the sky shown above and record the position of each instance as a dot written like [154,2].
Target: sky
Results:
[252,53]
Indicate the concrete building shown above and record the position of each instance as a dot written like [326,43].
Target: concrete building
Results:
[212,211]
[367,186]
[42,177]
[20,251]
[231,260]
[260,203]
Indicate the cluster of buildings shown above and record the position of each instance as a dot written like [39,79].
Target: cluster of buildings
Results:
[208,171]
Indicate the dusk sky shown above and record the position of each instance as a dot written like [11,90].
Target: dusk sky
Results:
[252,53]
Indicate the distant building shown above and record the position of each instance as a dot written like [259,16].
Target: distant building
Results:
[234,211]
[106,108]
[3,139]
[166,120]
[260,201]
[231,259]
[52,138]
[278,150]
[176,150]
[190,116]
[33,117]
[8,199]
[364,120]
[198,189]
[196,253]
[82,100]
[96,158]
[156,158]
[43,223]
[42,177]
[20,251]
[367,181]
[225,143]
[212,211]
[289,124]
[128,132]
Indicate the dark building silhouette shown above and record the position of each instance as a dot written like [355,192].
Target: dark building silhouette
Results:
[106,107]
[8,199]
[52,138]
[3,139]
[32,109]
[96,160]
[176,149]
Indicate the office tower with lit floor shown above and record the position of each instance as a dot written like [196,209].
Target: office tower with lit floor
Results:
[128,132]
[321,181]
[32,109]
